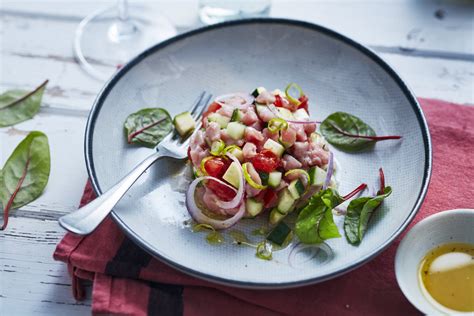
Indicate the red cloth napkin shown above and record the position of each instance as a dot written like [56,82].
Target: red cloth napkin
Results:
[127,280]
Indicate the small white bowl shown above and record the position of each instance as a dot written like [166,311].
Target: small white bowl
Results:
[441,228]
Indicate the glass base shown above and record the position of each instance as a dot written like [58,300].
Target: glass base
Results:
[216,11]
[103,43]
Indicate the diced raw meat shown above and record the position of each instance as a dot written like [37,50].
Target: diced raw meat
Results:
[267,134]
[250,116]
[213,132]
[253,136]
[289,162]
[309,128]
[249,151]
[226,110]
[288,136]
[265,98]
[265,114]
[300,133]
[310,154]
[251,192]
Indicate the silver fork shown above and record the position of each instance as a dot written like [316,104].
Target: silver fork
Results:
[87,218]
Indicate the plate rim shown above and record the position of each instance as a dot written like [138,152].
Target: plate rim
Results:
[109,85]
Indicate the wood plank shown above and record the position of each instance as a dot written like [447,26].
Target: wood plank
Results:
[31,281]
[68,173]
[438,27]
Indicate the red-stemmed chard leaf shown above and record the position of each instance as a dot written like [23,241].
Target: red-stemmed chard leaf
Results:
[349,132]
[25,174]
[19,105]
[148,127]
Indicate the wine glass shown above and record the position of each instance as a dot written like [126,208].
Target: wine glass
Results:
[108,38]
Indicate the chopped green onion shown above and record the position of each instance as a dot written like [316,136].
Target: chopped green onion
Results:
[291,98]
[229,149]
[249,179]
[203,162]
[264,250]
[277,124]
[300,171]
[202,227]
[217,147]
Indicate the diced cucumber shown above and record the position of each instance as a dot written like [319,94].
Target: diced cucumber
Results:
[253,207]
[274,179]
[285,113]
[263,177]
[236,116]
[274,147]
[235,130]
[259,108]
[275,217]
[301,115]
[237,152]
[279,234]
[296,188]
[257,91]
[219,119]
[285,201]
[232,175]
[184,123]
[317,176]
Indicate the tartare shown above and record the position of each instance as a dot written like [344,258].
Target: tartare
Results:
[255,153]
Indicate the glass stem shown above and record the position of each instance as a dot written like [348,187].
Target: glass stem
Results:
[123,10]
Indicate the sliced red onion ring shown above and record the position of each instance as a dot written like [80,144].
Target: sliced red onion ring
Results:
[197,214]
[238,100]
[315,249]
[329,171]
[303,122]
[240,192]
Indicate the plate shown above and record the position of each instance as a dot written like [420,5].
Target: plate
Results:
[336,73]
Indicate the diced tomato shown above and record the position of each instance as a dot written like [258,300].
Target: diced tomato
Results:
[268,196]
[223,192]
[213,107]
[265,161]
[216,167]
[304,103]
[278,102]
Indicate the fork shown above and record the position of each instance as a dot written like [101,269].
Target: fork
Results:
[84,220]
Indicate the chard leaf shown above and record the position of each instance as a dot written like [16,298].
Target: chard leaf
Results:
[25,174]
[350,133]
[19,105]
[148,127]
[315,222]
[358,215]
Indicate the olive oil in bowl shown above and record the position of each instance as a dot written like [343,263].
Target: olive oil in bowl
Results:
[446,277]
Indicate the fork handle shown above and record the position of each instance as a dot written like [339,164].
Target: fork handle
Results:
[84,220]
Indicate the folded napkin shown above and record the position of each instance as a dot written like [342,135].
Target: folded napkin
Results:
[129,281]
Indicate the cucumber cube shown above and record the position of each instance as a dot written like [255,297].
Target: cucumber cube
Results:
[235,130]
[274,147]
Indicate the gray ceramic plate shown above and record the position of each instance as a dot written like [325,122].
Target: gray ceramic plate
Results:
[336,73]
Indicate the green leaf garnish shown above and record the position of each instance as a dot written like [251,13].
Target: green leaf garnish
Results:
[19,105]
[358,215]
[25,174]
[315,222]
[349,132]
[148,127]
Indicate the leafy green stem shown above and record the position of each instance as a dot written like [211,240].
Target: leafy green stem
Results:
[375,138]
[12,197]
[382,181]
[27,95]
[356,190]
[132,135]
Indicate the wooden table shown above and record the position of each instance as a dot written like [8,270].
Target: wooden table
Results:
[431,45]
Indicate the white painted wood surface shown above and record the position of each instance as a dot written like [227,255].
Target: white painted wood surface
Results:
[434,55]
